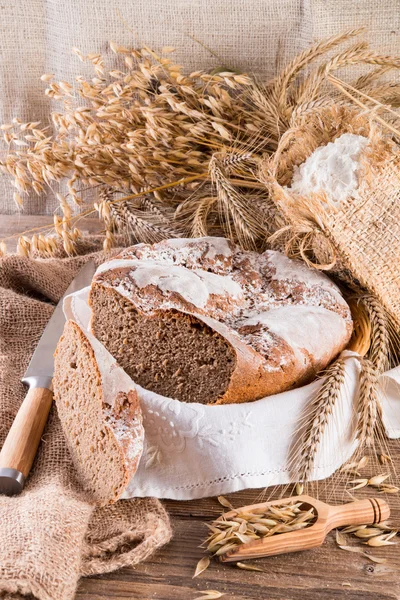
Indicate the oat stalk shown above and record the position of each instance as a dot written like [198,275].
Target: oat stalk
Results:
[141,126]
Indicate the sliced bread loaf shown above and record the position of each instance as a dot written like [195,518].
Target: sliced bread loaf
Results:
[99,412]
[201,320]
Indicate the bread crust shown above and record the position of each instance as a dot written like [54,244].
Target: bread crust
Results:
[256,373]
[249,380]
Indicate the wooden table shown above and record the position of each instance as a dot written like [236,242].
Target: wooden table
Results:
[326,573]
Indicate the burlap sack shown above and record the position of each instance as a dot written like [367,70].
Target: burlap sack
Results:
[358,241]
[51,535]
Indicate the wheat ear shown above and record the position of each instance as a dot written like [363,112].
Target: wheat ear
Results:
[200,215]
[143,226]
[379,348]
[321,409]
[280,89]
[368,404]
[239,219]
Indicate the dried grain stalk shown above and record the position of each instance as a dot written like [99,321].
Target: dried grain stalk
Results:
[142,222]
[240,219]
[281,87]
[144,125]
[368,404]
[379,350]
[317,419]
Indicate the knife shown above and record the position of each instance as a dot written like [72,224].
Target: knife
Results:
[20,447]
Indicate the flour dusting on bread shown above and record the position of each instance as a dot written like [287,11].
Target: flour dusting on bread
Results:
[251,308]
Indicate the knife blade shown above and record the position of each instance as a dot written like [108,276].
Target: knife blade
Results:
[20,447]
[41,367]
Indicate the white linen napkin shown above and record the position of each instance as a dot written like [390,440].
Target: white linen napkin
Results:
[194,451]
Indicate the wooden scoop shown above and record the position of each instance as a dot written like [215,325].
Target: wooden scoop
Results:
[362,512]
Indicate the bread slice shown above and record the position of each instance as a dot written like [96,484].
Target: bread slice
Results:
[99,412]
[201,320]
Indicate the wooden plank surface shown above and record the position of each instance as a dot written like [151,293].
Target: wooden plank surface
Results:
[326,573]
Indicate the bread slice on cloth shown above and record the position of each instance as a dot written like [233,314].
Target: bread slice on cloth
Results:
[201,320]
[99,412]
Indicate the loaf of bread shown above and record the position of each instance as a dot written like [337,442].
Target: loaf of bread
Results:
[201,320]
[99,412]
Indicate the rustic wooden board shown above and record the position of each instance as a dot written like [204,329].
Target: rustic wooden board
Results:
[326,573]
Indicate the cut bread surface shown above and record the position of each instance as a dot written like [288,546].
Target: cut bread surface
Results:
[171,353]
[100,415]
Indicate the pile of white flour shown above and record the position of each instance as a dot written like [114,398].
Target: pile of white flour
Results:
[333,169]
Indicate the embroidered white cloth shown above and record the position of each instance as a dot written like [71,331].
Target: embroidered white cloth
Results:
[194,451]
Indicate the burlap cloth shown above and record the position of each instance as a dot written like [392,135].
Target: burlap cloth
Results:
[358,240]
[259,36]
[51,535]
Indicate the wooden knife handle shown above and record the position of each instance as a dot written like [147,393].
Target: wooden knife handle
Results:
[19,449]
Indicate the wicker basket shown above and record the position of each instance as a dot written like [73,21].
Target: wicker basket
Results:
[359,241]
